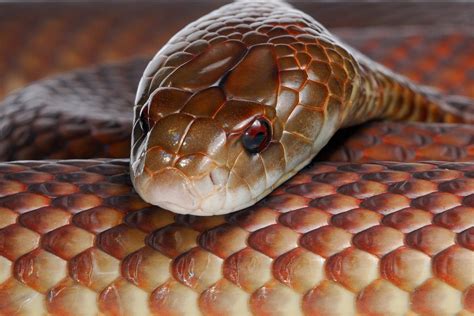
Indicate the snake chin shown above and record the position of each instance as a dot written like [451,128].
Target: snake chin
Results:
[172,190]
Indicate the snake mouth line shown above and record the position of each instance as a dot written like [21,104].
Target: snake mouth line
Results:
[171,189]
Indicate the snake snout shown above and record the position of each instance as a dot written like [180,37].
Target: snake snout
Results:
[181,165]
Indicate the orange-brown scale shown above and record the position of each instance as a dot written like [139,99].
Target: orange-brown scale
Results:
[294,252]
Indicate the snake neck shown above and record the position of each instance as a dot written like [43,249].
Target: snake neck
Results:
[382,94]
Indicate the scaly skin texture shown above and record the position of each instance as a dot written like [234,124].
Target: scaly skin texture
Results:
[245,61]
[337,239]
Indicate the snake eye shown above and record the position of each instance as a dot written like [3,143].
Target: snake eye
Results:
[144,123]
[257,136]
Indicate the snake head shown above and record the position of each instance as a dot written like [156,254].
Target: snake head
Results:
[221,120]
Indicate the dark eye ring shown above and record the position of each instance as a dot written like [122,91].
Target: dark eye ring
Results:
[143,120]
[257,136]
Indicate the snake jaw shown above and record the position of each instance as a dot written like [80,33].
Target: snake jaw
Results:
[172,189]
[169,189]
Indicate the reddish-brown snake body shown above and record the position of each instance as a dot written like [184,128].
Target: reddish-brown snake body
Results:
[389,235]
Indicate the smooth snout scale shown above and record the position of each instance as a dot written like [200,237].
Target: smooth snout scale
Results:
[226,222]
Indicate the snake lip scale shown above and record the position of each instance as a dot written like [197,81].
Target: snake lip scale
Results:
[222,208]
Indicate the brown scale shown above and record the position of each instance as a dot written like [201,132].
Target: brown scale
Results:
[338,237]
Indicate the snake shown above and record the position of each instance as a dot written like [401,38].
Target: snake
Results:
[222,207]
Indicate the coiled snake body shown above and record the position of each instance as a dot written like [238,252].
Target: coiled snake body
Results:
[234,105]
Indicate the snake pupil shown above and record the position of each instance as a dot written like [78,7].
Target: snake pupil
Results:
[257,136]
[144,124]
